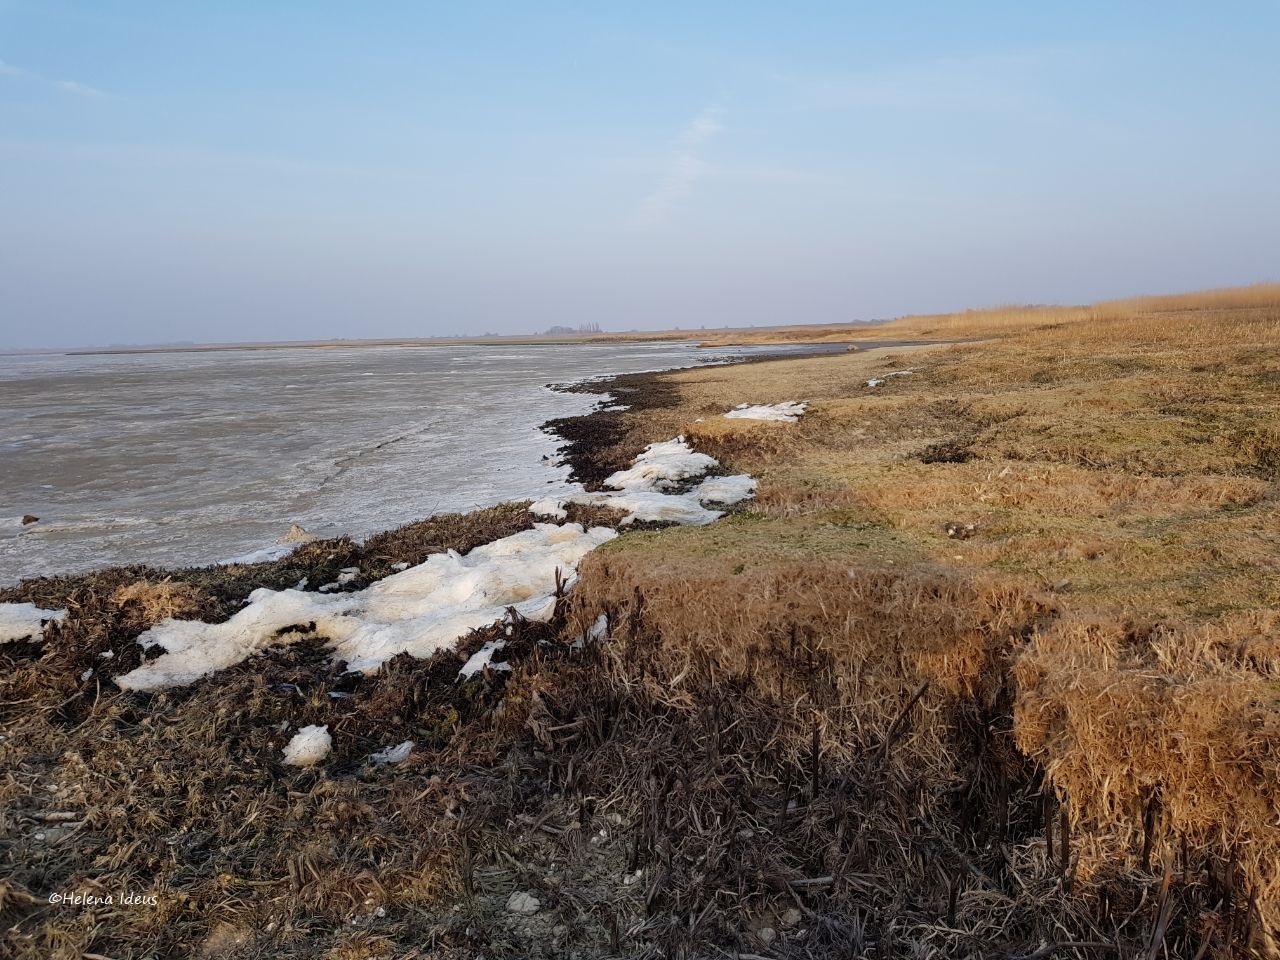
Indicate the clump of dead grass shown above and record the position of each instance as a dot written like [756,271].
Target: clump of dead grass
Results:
[742,442]
[149,601]
[793,500]
[1165,740]
[874,636]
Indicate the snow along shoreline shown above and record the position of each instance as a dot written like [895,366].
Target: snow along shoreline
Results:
[432,606]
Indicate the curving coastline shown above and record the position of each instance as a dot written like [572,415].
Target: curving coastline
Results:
[927,679]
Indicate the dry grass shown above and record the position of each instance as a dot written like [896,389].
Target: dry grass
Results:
[182,795]
[150,602]
[1119,463]
[989,668]
[1213,312]
[1164,737]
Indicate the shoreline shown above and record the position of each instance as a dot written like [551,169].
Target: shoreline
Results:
[409,451]
[582,438]
[964,656]
[591,440]
[820,334]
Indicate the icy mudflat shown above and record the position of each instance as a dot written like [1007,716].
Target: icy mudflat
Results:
[221,475]
[431,606]
[21,620]
[789,411]
[418,611]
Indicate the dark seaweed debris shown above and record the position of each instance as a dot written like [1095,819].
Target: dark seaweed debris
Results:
[592,446]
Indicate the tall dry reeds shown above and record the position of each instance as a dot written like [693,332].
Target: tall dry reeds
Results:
[1212,312]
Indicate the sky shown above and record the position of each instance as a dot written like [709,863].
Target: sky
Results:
[174,171]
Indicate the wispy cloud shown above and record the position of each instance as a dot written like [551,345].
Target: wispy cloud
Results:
[66,86]
[994,81]
[684,167]
[79,89]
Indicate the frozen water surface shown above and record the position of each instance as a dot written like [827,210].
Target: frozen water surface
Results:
[180,459]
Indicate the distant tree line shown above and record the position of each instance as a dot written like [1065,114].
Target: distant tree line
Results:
[573,331]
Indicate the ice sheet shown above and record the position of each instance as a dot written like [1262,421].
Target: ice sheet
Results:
[639,490]
[788,411]
[418,611]
[21,620]
[661,467]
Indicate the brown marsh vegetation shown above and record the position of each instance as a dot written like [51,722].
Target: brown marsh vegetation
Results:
[988,669]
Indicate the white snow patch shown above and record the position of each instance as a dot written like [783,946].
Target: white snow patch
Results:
[662,466]
[725,490]
[640,490]
[483,658]
[788,411]
[688,509]
[397,754]
[345,576]
[418,611]
[549,507]
[877,381]
[651,506]
[597,631]
[274,552]
[309,746]
[21,620]
[523,903]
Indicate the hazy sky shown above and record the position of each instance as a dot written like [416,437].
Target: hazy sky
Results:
[261,170]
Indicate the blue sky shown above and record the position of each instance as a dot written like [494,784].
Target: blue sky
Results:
[236,170]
